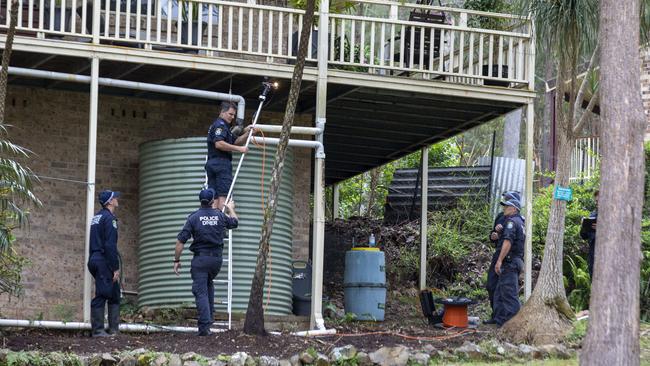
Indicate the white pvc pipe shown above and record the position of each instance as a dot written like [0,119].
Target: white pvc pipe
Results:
[90,188]
[424,209]
[314,333]
[295,129]
[241,103]
[124,327]
[293,143]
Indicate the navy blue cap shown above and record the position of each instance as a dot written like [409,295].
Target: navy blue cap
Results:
[106,196]
[206,195]
[507,195]
[512,202]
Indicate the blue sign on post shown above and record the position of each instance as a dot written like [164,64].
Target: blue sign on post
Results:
[563,193]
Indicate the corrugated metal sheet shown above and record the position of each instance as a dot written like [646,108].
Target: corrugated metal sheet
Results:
[171,175]
[446,185]
[507,175]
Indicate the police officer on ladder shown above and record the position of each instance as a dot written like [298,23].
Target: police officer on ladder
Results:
[207,226]
[509,263]
[104,265]
[495,235]
[221,144]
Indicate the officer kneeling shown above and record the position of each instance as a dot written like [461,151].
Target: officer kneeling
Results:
[509,263]
[207,226]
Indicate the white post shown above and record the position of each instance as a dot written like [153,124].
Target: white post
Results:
[90,191]
[530,131]
[318,238]
[335,204]
[96,19]
[424,205]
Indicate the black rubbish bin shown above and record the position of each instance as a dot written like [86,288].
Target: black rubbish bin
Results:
[301,286]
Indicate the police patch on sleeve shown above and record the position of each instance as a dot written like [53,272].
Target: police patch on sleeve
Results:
[510,225]
[115,224]
[218,131]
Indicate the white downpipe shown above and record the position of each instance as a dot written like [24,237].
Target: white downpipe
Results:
[295,129]
[318,239]
[90,188]
[124,327]
[241,103]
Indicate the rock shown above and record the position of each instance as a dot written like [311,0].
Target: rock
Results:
[85,361]
[269,361]
[216,363]
[343,353]
[529,352]
[189,356]
[250,361]
[321,360]
[510,349]
[307,358]
[363,359]
[238,359]
[390,356]
[429,348]
[161,360]
[470,351]
[175,360]
[191,363]
[295,360]
[285,363]
[105,359]
[420,358]
[3,355]
[129,360]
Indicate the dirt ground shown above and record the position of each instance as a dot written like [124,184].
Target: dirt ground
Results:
[281,346]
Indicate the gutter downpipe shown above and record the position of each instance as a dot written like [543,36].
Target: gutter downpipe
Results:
[318,239]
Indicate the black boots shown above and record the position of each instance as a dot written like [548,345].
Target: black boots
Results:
[113,319]
[97,322]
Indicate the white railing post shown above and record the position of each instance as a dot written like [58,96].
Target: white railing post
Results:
[96,19]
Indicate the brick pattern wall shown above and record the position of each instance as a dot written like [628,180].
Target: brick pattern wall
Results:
[54,125]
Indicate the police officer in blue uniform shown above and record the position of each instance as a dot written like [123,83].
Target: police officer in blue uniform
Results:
[589,234]
[221,144]
[495,234]
[207,226]
[104,265]
[510,263]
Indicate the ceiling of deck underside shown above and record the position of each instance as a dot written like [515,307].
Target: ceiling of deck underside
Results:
[366,127]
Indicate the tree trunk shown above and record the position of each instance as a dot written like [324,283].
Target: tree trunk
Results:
[254,323]
[546,147]
[6,56]
[511,134]
[545,317]
[613,333]
[372,190]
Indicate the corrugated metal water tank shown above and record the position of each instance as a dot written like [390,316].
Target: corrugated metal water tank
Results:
[171,176]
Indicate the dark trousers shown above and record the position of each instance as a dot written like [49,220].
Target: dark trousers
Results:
[492,279]
[105,289]
[590,258]
[204,270]
[219,172]
[506,294]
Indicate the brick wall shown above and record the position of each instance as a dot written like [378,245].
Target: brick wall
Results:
[54,125]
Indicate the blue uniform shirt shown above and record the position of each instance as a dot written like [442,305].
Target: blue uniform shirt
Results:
[513,230]
[219,131]
[206,226]
[103,237]
[500,219]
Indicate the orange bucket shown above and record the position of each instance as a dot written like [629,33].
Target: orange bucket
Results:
[455,316]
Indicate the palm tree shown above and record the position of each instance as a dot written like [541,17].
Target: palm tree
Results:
[568,30]
[15,182]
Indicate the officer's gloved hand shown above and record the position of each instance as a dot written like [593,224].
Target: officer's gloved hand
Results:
[237,128]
